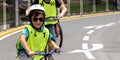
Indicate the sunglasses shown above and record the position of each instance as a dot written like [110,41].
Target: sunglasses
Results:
[36,19]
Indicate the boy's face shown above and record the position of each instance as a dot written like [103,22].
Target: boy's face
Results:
[38,21]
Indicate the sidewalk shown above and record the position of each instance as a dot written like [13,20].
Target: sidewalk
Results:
[3,33]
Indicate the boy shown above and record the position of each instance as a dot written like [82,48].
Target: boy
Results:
[35,36]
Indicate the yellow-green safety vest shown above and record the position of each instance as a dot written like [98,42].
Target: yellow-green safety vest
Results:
[36,43]
[50,10]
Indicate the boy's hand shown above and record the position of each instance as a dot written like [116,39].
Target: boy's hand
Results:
[59,16]
[31,54]
[57,49]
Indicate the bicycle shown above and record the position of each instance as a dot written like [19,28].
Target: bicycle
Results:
[45,55]
[58,30]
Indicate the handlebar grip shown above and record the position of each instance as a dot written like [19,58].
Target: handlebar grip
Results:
[51,52]
[41,53]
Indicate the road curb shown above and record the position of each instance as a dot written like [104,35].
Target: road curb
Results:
[3,33]
[90,15]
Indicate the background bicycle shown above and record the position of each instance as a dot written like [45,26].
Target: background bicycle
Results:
[58,30]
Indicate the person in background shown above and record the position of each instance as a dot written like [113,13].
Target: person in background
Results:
[51,10]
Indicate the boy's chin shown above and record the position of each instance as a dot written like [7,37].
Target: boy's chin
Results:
[37,27]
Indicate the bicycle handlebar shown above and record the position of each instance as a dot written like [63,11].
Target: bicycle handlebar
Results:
[52,18]
[44,54]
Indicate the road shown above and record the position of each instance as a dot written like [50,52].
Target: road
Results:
[95,38]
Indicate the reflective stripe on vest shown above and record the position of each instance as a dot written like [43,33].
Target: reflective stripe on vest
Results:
[50,10]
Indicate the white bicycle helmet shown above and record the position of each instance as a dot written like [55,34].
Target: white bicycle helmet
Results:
[34,7]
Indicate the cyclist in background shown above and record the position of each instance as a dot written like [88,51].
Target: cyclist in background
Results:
[51,10]
[35,36]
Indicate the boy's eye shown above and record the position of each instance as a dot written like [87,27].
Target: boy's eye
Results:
[40,19]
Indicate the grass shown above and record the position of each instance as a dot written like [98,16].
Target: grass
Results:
[8,16]
[74,8]
[101,7]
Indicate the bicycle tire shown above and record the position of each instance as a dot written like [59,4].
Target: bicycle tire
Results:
[59,38]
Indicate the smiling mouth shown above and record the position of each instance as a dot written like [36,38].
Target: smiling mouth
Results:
[38,24]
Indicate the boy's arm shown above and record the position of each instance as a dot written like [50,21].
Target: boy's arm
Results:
[24,43]
[52,44]
[25,46]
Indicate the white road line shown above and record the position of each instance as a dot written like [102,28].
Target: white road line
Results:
[86,38]
[90,32]
[9,34]
[99,27]
[94,47]
[85,46]
[88,53]
[89,27]
[110,24]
